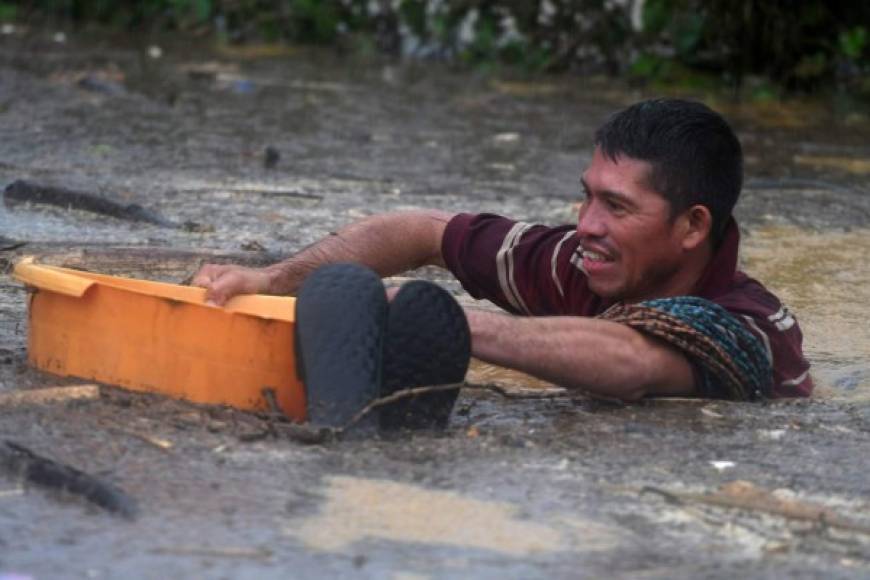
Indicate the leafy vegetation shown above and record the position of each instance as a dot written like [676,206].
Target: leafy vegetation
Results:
[795,45]
[800,45]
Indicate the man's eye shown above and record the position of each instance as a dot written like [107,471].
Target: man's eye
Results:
[614,206]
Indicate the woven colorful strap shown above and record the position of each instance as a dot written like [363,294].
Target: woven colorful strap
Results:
[730,360]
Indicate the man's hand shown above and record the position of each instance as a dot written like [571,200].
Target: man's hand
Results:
[222,282]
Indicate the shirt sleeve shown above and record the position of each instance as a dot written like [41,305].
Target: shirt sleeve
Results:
[783,340]
[525,269]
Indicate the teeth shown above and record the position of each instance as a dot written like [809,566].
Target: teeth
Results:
[594,256]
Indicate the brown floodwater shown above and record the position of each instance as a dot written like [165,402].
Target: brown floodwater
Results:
[824,279]
[514,488]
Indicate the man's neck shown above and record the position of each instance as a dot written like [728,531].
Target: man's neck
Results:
[685,281]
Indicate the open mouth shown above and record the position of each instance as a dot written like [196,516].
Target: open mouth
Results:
[597,263]
[593,256]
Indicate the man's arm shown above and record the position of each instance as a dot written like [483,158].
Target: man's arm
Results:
[599,356]
[387,243]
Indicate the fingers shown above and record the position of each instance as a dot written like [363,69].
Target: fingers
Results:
[206,274]
[222,282]
[227,284]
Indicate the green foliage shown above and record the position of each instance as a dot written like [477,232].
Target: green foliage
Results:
[484,45]
[656,15]
[853,42]
[763,91]
[811,66]
[798,45]
[688,34]
[670,20]
[525,56]
[413,13]
[649,66]
[8,11]
[314,21]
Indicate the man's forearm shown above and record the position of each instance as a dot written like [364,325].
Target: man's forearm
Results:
[599,356]
[387,243]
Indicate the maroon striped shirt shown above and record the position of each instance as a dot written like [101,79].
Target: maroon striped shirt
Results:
[535,270]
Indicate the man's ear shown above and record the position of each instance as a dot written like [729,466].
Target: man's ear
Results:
[696,225]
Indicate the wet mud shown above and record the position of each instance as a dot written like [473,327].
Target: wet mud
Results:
[539,484]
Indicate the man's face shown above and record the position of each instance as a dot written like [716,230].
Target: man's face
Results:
[631,250]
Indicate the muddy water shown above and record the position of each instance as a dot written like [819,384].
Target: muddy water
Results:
[515,488]
[824,277]
[389,510]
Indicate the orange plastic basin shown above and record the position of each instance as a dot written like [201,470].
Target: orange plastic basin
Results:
[156,337]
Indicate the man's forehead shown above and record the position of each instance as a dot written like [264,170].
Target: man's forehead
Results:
[619,169]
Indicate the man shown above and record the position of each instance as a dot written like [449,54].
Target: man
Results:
[641,297]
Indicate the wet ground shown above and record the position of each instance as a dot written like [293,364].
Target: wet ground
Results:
[531,487]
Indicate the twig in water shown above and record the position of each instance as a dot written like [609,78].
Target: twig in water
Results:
[157,442]
[670,497]
[308,434]
[255,191]
[254,553]
[272,402]
[397,396]
[746,496]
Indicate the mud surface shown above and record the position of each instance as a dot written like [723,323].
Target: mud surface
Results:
[537,487]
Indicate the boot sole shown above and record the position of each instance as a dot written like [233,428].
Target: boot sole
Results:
[427,343]
[341,313]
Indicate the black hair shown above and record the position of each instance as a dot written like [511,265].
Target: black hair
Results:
[695,156]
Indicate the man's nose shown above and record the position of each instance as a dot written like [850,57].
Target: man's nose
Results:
[590,221]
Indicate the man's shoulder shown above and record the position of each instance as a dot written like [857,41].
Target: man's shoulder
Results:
[778,329]
[748,296]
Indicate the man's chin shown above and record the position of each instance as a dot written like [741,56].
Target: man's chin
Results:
[606,291]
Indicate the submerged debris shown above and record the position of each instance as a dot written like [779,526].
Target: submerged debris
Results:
[212,552]
[22,462]
[271,156]
[745,495]
[9,244]
[21,191]
[95,84]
